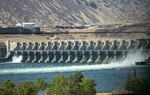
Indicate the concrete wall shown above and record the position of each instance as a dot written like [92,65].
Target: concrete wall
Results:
[2,50]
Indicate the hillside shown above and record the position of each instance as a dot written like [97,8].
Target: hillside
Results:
[51,12]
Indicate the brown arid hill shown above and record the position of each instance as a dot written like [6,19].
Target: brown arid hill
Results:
[59,12]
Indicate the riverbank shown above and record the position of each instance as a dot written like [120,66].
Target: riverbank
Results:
[103,94]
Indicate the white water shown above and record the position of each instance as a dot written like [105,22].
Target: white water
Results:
[16,59]
[128,62]
[61,69]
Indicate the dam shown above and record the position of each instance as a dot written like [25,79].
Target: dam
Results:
[73,51]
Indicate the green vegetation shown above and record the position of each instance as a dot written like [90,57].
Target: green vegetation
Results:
[134,85]
[75,84]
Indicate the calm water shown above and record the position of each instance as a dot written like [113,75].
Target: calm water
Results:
[107,77]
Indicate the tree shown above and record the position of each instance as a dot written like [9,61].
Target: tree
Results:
[26,88]
[136,85]
[76,84]
[59,86]
[7,88]
[40,84]
[88,86]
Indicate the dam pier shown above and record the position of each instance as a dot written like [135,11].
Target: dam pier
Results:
[72,51]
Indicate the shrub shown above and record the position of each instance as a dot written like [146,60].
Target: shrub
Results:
[76,84]
[135,85]
[7,88]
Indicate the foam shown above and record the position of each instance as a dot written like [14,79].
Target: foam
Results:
[16,59]
[128,62]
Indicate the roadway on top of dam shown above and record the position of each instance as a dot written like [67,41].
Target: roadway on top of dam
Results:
[77,50]
[59,40]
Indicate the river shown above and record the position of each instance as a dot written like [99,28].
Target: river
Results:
[107,76]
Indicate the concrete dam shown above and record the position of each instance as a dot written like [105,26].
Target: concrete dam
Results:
[73,51]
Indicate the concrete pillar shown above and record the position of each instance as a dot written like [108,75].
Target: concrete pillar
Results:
[89,60]
[105,61]
[49,46]
[96,45]
[73,45]
[47,60]
[46,45]
[11,46]
[42,57]
[88,45]
[147,43]
[75,60]
[39,45]
[42,45]
[61,57]
[112,44]
[8,48]
[69,57]
[137,44]
[129,44]
[77,45]
[81,44]
[54,58]
[84,59]
[35,57]
[91,45]
[69,45]
[27,45]
[28,57]
[59,45]
[114,59]
[98,59]
[104,44]
[121,44]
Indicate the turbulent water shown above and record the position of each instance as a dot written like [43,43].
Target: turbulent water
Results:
[16,59]
[62,68]
[107,76]
[128,62]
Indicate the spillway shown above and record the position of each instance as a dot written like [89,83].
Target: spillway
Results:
[77,51]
